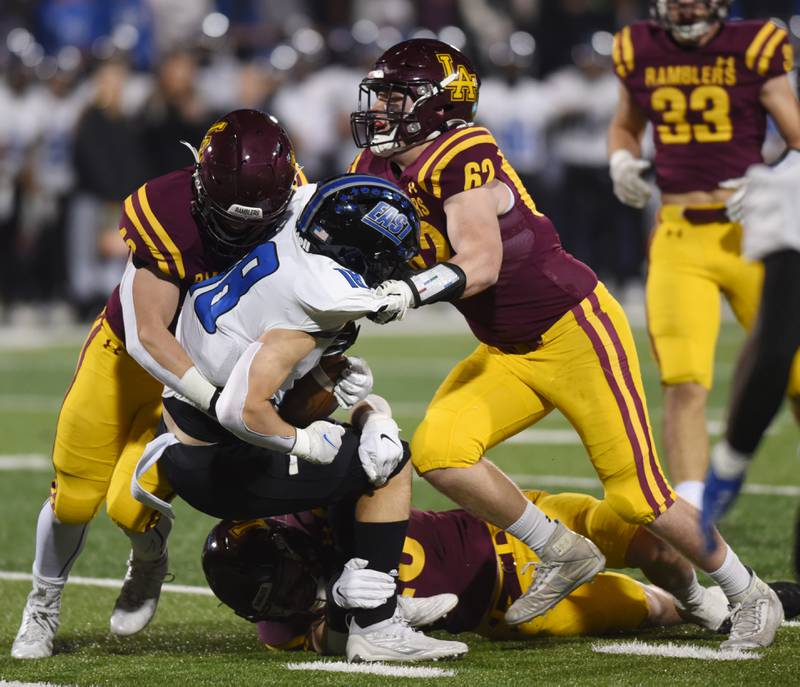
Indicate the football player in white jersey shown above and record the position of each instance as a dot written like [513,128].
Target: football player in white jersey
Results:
[769,209]
[253,331]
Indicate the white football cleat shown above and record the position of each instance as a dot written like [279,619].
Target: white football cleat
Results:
[756,615]
[421,611]
[711,613]
[137,601]
[40,620]
[394,640]
[568,561]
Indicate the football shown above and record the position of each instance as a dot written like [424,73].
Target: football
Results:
[311,398]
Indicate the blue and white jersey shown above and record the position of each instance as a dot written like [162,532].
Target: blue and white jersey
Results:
[278,285]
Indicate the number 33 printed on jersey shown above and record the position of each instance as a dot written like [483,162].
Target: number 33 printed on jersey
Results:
[712,101]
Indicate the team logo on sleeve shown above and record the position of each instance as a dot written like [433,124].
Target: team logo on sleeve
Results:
[462,83]
[389,221]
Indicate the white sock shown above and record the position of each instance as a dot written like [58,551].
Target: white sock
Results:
[732,576]
[533,528]
[692,595]
[691,491]
[57,546]
[150,545]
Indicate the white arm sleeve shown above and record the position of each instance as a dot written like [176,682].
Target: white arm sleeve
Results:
[230,406]
[192,386]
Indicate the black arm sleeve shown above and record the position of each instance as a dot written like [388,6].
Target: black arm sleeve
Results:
[762,374]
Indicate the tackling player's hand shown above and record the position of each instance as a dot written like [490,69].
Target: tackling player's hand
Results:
[319,442]
[380,449]
[734,206]
[360,587]
[354,384]
[723,483]
[629,187]
[395,299]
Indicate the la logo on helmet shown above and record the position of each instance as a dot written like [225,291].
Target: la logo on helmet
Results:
[214,128]
[462,88]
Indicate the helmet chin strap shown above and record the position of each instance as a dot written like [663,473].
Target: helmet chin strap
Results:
[386,145]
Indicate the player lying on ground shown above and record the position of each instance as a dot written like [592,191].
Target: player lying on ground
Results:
[253,332]
[771,218]
[450,555]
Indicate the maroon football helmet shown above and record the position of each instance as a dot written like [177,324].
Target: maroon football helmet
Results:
[682,19]
[264,569]
[417,90]
[243,180]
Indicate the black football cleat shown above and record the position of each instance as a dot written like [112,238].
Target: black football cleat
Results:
[789,594]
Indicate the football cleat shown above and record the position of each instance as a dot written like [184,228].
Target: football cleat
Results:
[40,620]
[394,640]
[422,611]
[756,616]
[711,613]
[568,561]
[138,598]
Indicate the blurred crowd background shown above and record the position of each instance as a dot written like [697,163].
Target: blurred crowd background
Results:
[95,96]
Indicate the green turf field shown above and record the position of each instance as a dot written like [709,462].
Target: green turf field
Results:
[192,641]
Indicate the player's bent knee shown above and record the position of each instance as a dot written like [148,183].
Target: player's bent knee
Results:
[434,446]
[131,515]
[76,501]
[630,507]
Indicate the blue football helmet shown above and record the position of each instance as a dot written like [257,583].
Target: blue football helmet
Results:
[364,223]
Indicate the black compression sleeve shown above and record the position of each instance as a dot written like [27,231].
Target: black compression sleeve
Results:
[763,370]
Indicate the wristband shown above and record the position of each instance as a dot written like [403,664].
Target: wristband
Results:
[442,282]
[302,444]
[197,388]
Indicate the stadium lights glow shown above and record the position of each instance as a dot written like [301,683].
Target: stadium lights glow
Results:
[388,36]
[422,33]
[308,41]
[215,25]
[125,36]
[68,58]
[33,55]
[19,40]
[602,43]
[453,36]
[794,25]
[283,58]
[522,43]
[365,31]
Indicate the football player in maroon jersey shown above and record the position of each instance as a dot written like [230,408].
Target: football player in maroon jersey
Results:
[452,563]
[181,228]
[551,336]
[706,85]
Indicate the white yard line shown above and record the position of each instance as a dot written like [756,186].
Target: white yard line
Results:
[109,583]
[390,670]
[673,650]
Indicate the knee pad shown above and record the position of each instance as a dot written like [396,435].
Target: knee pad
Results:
[624,495]
[436,445]
[76,500]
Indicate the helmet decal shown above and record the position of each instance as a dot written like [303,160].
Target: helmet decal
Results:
[214,128]
[462,84]
[389,221]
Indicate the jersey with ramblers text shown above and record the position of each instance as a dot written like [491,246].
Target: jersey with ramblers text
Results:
[703,102]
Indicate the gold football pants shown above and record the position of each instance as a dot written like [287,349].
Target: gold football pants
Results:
[586,366]
[690,267]
[110,412]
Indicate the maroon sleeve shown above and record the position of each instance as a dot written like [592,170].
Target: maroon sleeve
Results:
[768,52]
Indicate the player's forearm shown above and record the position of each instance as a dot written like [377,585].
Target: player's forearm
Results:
[481,272]
[621,138]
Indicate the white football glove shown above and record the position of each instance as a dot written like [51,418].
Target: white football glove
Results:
[734,206]
[354,384]
[319,442]
[360,587]
[379,448]
[395,299]
[626,172]
[771,210]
